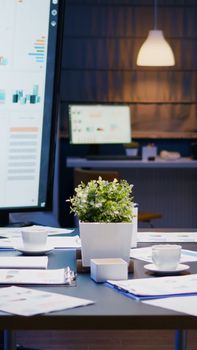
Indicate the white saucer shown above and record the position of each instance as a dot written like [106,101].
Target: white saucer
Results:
[43,251]
[154,268]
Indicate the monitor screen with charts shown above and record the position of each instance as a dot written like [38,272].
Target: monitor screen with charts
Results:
[99,124]
[30,34]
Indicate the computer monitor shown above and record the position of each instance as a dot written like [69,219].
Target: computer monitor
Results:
[96,124]
[30,36]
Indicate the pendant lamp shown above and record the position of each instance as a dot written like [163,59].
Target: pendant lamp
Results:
[155,51]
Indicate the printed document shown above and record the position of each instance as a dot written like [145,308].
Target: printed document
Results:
[64,242]
[28,302]
[56,242]
[25,262]
[15,232]
[160,287]
[186,304]
[167,237]
[56,276]
[6,243]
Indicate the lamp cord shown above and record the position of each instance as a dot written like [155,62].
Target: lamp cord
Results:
[155,14]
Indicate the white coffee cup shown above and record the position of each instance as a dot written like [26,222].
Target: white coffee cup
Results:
[34,239]
[166,257]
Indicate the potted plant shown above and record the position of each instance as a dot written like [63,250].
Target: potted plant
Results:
[131,148]
[105,211]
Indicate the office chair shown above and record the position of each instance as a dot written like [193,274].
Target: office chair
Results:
[86,175]
[147,217]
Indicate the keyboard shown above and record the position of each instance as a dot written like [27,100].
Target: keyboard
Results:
[113,157]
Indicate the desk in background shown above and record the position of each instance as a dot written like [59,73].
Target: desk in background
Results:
[168,187]
[181,163]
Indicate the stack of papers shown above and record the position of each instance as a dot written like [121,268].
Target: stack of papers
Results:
[152,288]
[177,293]
[57,276]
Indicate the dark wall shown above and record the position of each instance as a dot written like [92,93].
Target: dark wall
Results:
[101,42]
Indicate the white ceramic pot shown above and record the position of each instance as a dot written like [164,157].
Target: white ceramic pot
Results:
[105,240]
[131,151]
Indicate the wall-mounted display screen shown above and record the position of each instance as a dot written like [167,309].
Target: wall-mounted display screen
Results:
[99,124]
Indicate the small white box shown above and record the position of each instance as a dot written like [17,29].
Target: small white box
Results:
[149,151]
[105,269]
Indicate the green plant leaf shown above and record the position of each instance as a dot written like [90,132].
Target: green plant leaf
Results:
[103,201]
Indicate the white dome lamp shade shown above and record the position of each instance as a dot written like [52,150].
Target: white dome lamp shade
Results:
[155,51]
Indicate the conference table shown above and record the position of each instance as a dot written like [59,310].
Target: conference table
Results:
[110,311]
